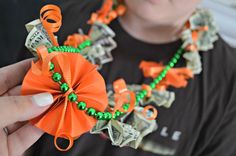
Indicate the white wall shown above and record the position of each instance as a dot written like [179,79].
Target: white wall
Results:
[225,15]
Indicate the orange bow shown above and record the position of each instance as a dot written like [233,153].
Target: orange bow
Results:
[63,118]
[106,14]
[123,96]
[75,40]
[176,77]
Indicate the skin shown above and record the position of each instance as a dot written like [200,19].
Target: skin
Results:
[15,110]
[157,21]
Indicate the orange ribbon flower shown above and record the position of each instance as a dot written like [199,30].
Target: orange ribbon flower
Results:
[63,118]
[176,77]
[75,40]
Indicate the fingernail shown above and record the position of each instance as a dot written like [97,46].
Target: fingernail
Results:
[42,99]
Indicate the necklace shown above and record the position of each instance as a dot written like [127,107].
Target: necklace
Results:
[91,111]
[128,105]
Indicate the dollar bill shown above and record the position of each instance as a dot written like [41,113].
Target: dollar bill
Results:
[201,18]
[37,36]
[141,124]
[129,131]
[163,98]
[97,54]
[193,61]
[119,133]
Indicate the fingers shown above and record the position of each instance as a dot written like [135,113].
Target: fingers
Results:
[14,127]
[3,143]
[13,91]
[22,108]
[20,141]
[13,75]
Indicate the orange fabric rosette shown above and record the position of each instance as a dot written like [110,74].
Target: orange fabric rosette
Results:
[63,118]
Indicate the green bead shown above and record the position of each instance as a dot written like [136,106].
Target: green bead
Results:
[177,56]
[117,114]
[180,51]
[167,67]
[81,46]
[107,116]
[54,48]
[164,71]
[171,64]
[156,81]
[163,74]
[138,97]
[72,97]
[174,60]
[88,42]
[81,105]
[99,115]
[64,87]
[159,78]
[125,106]
[51,66]
[50,50]
[141,95]
[91,112]
[144,92]
[56,77]
[152,85]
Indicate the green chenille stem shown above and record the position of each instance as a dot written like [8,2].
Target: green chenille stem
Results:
[107,115]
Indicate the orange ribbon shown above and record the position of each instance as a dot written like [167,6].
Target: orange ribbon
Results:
[150,108]
[122,96]
[50,16]
[75,40]
[195,36]
[63,118]
[106,14]
[176,77]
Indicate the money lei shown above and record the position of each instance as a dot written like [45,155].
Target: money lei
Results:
[132,127]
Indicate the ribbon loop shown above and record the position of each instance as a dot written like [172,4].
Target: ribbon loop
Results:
[65,136]
[50,16]
[150,108]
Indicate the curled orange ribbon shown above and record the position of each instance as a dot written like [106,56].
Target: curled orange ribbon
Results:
[176,77]
[150,108]
[122,96]
[50,16]
[63,118]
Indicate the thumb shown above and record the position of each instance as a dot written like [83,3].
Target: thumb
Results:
[22,108]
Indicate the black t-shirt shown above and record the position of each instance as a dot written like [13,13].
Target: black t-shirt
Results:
[202,119]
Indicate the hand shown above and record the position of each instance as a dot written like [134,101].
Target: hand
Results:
[15,110]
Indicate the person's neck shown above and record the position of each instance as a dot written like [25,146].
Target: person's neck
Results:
[151,33]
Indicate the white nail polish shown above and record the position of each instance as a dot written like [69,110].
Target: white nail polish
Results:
[43,99]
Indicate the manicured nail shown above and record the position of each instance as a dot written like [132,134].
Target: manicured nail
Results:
[42,99]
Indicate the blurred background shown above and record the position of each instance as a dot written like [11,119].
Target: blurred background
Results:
[225,16]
